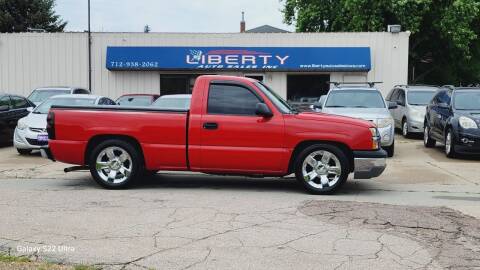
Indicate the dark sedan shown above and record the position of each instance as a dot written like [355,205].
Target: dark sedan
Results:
[453,118]
[12,108]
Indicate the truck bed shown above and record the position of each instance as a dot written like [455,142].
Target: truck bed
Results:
[162,133]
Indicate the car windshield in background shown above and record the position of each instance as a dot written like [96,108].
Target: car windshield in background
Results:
[420,97]
[355,99]
[135,101]
[45,106]
[172,103]
[467,100]
[41,95]
[279,102]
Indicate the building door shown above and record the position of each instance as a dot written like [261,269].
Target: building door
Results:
[307,88]
[258,77]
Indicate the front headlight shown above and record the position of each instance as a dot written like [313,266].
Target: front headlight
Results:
[21,125]
[467,123]
[384,122]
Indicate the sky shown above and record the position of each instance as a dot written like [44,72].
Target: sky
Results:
[170,15]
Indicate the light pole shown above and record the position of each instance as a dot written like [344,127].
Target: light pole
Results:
[89,51]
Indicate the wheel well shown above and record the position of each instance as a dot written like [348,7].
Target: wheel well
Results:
[95,140]
[302,145]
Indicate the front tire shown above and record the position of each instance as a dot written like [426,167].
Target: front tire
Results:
[322,168]
[24,152]
[427,140]
[115,164]
[450,151]
[405,132]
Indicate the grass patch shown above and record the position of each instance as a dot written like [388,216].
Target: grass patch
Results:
[21,262]
[10,259]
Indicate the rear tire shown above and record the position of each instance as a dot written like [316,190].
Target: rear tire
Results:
[427,140]
[390,149]
[115,164]
[322,168]
[24,152]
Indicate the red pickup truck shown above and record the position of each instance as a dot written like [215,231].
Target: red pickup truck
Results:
[234,126]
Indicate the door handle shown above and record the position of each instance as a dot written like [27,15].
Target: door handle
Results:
[210,125]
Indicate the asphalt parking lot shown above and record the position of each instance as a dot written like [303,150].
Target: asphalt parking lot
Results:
[422,213]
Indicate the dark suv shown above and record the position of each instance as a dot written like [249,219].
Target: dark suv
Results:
[12,108]
[453,118]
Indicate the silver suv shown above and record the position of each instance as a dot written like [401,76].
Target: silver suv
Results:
[412,101]
[365,103]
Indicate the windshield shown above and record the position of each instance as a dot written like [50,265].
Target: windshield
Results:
[420,97]
[467,100]
[135,101]
[172,103]
[279,102]
[46,105]
[38,96]
[355,99]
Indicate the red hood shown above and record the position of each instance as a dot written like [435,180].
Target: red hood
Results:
[334,118]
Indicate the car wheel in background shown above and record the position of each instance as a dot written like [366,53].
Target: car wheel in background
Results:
[390,149]
[405,132]
[24,152]
[115,164]
[427,140]
[450,145]
[322,168]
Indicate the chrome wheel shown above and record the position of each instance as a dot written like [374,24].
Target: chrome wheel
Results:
[114,165]
[405,129]
[448,143]
[321,169]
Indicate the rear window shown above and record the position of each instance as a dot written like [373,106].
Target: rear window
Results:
[45,106]
[42,95]
[135,101]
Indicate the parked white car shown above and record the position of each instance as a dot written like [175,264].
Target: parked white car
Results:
[366,103]
[39,95]
[412,101]
[31,133]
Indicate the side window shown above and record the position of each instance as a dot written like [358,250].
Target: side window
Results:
[394,96]
[231,99]
[5,101]
[19,102]
[401,97]
[389,96]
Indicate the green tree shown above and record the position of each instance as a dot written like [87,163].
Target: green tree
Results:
[444,41]
[19,15]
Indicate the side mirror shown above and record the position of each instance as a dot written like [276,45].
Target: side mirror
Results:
[30,109]
[4,108]
[317,105]
[392,105]
[263,110]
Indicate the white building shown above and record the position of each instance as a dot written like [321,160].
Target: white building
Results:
[296,65]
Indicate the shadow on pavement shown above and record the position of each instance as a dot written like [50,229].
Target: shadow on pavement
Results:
[213,182]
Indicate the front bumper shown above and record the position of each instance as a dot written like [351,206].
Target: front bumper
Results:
[415,126]
[468,142]
[27,139]
[369,164]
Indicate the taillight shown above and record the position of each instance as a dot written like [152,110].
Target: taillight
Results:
[51,125]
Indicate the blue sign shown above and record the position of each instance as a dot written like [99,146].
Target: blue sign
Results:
[240,58]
